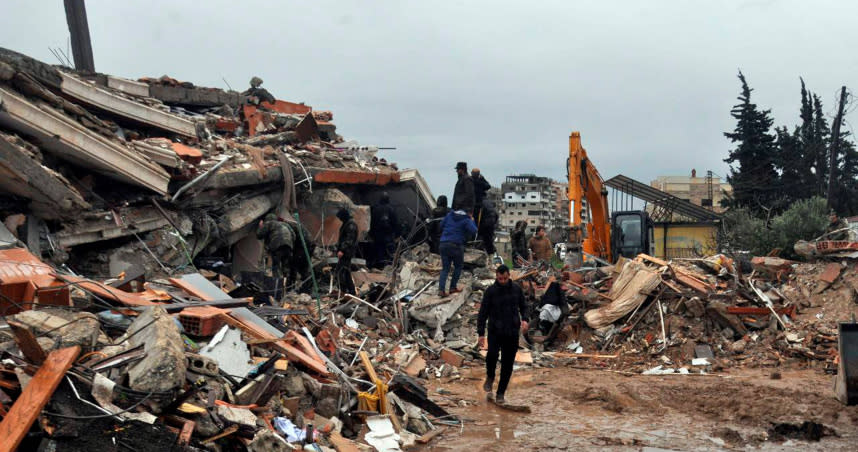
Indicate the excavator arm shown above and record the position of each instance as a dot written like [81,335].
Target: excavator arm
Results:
[588,203]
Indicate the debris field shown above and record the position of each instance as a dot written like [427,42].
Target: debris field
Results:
[139,312]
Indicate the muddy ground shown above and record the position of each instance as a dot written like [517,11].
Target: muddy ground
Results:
[576,409]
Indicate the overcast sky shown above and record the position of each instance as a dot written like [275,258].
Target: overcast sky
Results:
[649,84]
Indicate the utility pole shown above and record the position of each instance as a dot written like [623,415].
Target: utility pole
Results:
[835,147]
[79,31]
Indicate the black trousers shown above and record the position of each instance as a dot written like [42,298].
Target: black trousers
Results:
[280,259]
[344,275]
[507,346]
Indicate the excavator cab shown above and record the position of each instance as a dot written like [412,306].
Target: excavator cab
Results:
[631,234]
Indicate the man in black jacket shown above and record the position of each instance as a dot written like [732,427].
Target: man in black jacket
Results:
[383,228]
[503,308]
[434,224]
[481,187]
[346,246]
[463,194]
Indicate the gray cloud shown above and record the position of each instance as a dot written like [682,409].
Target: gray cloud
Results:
[499,84]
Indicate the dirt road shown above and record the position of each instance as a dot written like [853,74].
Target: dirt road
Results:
[576,409]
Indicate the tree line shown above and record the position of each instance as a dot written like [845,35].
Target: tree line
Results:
[773,167]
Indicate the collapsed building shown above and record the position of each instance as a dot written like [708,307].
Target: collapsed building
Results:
[137,313]
[105,174]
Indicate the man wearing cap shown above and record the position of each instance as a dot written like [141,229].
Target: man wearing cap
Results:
[346,246]
[463,194]
[503,310]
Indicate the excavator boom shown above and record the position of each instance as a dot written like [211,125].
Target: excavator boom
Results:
[588,203]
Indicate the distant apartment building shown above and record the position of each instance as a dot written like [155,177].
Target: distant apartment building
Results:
[534,199]
[707,191]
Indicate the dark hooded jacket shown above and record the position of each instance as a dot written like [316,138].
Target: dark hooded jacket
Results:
[463,194]
[384,224]
[481,187]
[348,240]
[519,240]
[502,309]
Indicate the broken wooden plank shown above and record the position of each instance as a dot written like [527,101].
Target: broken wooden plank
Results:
[226,432]
[429,436]
[29,405]
[342,444]
[27,342]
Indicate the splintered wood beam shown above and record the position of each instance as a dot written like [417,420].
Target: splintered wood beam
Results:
[27,343]
[29,405]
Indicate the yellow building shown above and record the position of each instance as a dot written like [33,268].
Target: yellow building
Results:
[706,191]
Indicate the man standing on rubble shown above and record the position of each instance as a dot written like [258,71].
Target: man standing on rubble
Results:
[383,228]
[463,194]
[299,266]
[434,224]
[279,241]
[519,243]
[486,227]
[346,247]
[503,309]
[456,228]
[481,187]
[541,246]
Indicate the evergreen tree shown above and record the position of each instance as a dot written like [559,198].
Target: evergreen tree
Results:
[753,175]
[790,163]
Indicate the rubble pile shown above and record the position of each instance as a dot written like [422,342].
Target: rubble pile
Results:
[704,315]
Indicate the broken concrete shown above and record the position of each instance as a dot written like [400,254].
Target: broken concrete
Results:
[163,368]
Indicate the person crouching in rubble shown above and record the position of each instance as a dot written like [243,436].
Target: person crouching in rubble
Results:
[279,241]
[346,246]
[552,305]
[456,228]
[503,310]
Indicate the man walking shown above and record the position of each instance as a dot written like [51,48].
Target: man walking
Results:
[456,227]
[503,309]
[346,247]
[463,194]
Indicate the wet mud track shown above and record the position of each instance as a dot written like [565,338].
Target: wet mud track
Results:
[575,409]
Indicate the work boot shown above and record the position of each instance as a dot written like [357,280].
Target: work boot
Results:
[487,385]
[455,290]
[442,294]
[499,398]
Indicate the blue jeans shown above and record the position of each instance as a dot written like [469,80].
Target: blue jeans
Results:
[451,253]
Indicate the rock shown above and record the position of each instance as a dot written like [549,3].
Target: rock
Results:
[695,307]
[65,329]
[235,415]
[267,441]
[163,368]
[452,358]
[738,346]
[327,407]
[416,423]
[293,384]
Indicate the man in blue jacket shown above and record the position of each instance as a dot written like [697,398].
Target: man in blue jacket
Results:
[503,308]
[456,227]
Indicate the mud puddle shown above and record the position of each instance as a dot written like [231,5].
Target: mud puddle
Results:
[589,409]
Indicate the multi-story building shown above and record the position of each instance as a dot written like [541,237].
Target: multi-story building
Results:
[534,199]
[707,191]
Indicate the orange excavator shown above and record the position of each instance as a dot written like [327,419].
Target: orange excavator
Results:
[594,229]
